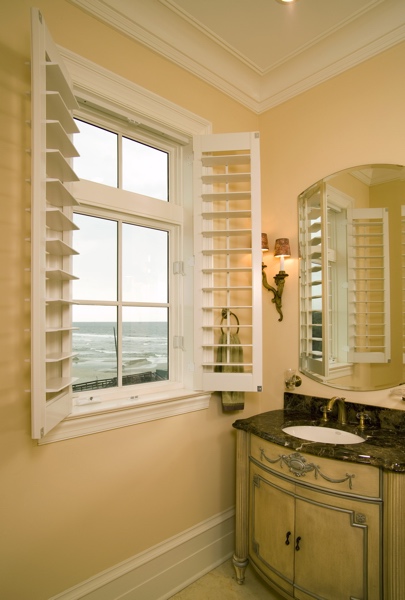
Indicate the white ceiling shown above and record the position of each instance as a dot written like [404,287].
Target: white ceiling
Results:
[259,52]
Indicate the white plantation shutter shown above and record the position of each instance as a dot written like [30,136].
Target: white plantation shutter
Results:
[228,260]
[51,232]
[314,281]
[369,286]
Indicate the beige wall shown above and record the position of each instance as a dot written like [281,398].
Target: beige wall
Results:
[352,119]
[71,509]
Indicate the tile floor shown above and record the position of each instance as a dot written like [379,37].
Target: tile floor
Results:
[220,584]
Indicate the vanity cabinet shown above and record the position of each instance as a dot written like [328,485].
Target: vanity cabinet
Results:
[311,526]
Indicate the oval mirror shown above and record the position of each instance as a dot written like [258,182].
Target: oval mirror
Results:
[352,278]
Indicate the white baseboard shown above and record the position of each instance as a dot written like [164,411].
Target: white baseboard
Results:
[161,571]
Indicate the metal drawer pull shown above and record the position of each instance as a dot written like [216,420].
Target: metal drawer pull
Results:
[287,541]
[297,547]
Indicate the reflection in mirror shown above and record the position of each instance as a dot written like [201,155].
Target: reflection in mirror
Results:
[352,278]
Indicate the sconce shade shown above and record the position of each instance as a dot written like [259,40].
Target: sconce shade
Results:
[282,247]
[265,242]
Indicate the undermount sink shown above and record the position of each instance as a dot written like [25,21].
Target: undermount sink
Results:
[326,435]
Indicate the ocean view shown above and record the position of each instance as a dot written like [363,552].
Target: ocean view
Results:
[144,353]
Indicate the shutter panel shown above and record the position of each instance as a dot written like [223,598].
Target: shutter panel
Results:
[51,232]
[228,261]
[369,286]
[314,281]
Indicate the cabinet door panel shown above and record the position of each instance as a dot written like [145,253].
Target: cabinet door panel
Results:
[332,558]
[271,526]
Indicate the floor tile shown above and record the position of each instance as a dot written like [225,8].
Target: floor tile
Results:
[221,584]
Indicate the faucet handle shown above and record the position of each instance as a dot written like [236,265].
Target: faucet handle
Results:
[362,416]
[324,409]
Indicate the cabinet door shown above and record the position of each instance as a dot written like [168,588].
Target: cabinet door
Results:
[271,531]
[338,556]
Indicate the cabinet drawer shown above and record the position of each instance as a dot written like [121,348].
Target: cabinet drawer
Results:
[323,473]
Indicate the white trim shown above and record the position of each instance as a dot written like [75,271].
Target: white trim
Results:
[126,412]
[92,82]
[175,563]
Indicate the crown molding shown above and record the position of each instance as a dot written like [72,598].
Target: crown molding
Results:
[157,27]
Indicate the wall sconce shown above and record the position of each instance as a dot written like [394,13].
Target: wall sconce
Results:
[281,249]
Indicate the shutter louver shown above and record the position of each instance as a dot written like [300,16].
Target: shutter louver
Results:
[51,232]
[227,262]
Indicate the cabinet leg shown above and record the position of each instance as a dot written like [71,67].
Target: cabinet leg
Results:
[240,567]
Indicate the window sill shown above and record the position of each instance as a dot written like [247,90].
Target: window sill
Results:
[88,419]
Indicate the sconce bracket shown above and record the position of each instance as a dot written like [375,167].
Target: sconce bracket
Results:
[277,291]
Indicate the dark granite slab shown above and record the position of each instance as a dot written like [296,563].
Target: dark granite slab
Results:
[384,434]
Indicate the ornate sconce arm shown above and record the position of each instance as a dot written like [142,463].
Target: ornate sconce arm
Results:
[278,291]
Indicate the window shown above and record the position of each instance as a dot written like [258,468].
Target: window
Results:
[121,324]
[324,277]
[122,294]
[115,254]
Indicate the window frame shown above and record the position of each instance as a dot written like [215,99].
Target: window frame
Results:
[117,203]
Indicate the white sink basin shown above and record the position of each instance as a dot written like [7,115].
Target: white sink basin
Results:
[327,435]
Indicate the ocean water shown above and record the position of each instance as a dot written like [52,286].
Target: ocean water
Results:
[144,350]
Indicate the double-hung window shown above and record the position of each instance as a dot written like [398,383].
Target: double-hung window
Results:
[123,313]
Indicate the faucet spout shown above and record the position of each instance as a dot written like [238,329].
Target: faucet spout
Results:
[342,415]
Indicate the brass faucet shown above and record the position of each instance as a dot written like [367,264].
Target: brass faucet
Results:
[342,415]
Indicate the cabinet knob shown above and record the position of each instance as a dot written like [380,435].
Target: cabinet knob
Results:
[297,543]
[287,540]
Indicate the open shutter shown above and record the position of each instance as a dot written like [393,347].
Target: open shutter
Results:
[228,261]
[369,286]
[314,281]
[51,232]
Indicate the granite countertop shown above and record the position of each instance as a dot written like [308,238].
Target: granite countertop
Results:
[384,434]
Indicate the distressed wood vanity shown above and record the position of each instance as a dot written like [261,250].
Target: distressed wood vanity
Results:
[318,520]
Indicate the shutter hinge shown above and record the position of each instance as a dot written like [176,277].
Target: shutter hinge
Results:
[178,267]
[178,342]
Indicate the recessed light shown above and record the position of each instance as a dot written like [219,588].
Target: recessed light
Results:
[286,1]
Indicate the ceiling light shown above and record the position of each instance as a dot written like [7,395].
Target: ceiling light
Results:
[286,1]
